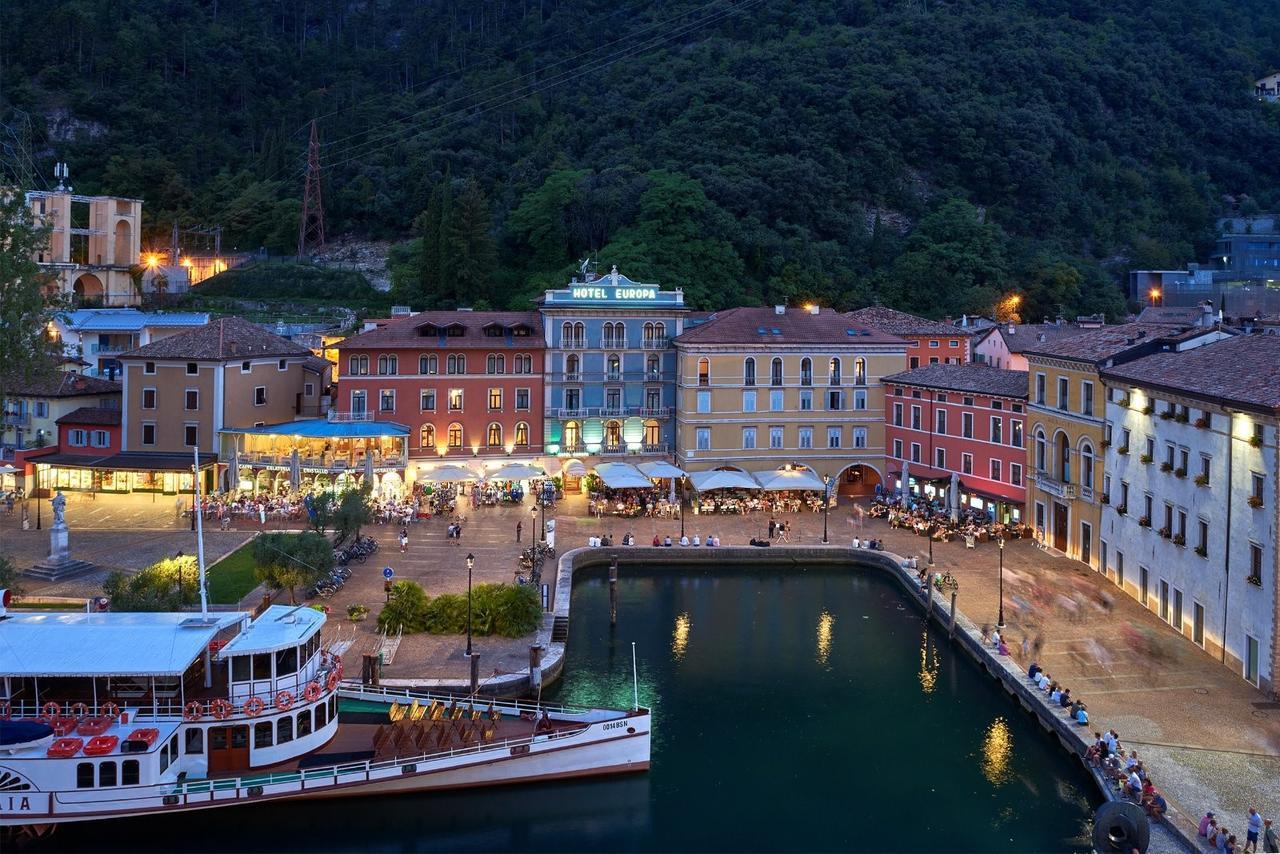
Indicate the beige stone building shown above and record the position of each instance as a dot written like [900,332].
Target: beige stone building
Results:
[93,243]
[181,391]
[764,388]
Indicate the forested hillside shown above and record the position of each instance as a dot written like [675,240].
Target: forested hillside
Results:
[929,154]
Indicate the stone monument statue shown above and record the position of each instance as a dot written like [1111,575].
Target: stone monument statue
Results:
[59,564]
[59,504]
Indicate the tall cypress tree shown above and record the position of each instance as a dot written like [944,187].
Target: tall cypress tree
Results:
[470,237]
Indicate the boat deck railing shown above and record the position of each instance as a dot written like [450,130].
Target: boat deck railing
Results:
[378,693]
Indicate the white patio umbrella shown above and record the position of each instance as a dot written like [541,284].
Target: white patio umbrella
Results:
[447,474]
[516,471]
[906,483]
[295,470]
[954,496]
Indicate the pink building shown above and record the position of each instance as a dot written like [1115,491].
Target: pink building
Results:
[967,420]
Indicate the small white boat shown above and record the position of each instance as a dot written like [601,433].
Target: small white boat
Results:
[137,714]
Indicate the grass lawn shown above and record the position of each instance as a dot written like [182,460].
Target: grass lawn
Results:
[231,579]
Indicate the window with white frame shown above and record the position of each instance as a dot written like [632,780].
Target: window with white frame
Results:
[702,438]
[833,437]
[748,438]
[995,470]
[776,400]
[427,400]
[966,463]
[859,437]
[940,458]
[775,438]
[897,449]
[805,436]
[704,401]
[387,400]
[748,401]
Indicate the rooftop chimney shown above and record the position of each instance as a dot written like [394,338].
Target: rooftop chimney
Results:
[779,309]
[1011,330]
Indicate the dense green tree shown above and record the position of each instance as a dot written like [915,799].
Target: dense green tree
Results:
[285,561]
[167,585]
[26,349]
[474,255]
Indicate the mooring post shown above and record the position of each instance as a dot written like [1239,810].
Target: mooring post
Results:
[953,614]
[535,667]
[613,592]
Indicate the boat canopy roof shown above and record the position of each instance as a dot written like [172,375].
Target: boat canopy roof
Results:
[110,644]
[277,627]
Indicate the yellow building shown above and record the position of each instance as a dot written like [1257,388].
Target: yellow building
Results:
[1066,409]
[763,388]
[94,241]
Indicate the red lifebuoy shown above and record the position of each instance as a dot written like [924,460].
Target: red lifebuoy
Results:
[110,710]
[194,710]
[78,710]
[312,693]
[221,709]
[284,701]
[333,679]
[254,706]
[51,709]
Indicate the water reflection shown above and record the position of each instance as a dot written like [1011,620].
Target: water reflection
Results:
[680,636]
[997,751]
[825,623]
[930,663]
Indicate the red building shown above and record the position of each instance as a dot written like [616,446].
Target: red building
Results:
[929,342]
[467,383]
[968,420]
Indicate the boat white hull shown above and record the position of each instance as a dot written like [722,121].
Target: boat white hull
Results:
[614,747]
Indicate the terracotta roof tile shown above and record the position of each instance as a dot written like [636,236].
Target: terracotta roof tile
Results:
[1244,369]
[972,378]
[417,331]
[1020,337]
[63,384]
[92,415]
[764,326]
[900,323]
[1099,345]
[221,340]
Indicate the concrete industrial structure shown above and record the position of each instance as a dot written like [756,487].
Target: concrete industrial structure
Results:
[94,242]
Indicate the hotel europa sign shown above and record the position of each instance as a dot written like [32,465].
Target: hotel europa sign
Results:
[619,293]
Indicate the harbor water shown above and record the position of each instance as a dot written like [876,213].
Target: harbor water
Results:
[795,710]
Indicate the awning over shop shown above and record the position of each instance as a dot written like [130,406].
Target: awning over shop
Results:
[658,468]
[779,479]
[705,481]
[516,471]
[575,468]
[321,428]
[447,474]
[622,476]
[129,461]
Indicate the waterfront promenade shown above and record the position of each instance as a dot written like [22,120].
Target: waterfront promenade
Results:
[1208,739]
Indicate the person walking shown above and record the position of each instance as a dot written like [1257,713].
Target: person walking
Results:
[519,528]
[1253,830]
[404,540]
[1270,844]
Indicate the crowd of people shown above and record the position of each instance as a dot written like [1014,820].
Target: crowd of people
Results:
[1258,830]
[932,518]
[742,502]
[632,504]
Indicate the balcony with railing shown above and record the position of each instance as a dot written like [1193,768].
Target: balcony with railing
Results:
[615,411]
[571,412]
[655,343]
[350,416]
[573,343]
[16,419]
[573,376]
[654,412]
[610,342]
[1055,487]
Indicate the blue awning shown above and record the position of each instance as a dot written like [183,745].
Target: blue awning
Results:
[321,428]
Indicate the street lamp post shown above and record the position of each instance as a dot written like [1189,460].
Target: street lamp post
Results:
[928,532]
[826,506]
[1000,619]
[38,521]
[195,496]
[475,669]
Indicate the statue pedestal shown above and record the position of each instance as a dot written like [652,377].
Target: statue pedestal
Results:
[59,564]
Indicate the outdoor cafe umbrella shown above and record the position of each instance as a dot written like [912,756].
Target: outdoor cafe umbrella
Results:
[233,468]
[516,471]
[448,474]
[660,469]
[622,476]
[368,467]
[906,484]
[295,470]
[953,495]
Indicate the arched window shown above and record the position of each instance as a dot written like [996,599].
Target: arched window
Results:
[704,371]
[523,363]
[571,366]
[455,436]
[451,364]
[427,364]
[615,367]
[1064,458]
[806,371]
[749,371]
[833,371]
[572,434]
[580,334]
[775,372]
[613,434]
[494,435]
[382,364]
[427,437]
[1040,450]
[660,333]
[495,364]
[1086,465]
[652,433]
[566,334]
[353,365]
[648,334]
[522,434]
[859,371]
